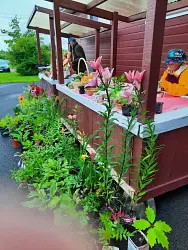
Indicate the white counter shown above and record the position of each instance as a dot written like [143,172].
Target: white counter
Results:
[164,122]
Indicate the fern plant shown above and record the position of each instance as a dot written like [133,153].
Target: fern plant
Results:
[155,230]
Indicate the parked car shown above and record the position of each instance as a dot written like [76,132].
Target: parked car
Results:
[4,66]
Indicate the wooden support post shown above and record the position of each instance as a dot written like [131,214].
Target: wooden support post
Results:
[53,48]
[58,42]
[153,43]
[38,46]
[114,34]
[97,43]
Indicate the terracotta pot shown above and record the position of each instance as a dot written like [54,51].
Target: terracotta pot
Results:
[118,106]
[15,143]
[37,142]
[90,91]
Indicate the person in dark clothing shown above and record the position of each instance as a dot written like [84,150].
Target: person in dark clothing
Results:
[77,53]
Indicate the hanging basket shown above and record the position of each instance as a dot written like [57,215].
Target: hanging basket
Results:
[77,84]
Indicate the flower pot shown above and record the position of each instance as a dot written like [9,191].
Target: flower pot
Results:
[4,132]
[90,91]
[30,187]
[16,143]
[81,90]
[138,242]
[126,111]
[37,142]
[159,107]
[118,106]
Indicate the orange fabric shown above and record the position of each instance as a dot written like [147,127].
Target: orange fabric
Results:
[179,89]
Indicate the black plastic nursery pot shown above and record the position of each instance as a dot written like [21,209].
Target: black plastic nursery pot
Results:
[81,90]
[126,110]
[159,107]
[4,132]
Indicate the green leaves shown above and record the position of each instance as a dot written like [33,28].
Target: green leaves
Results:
[150,214]
[141,224]
[155,232]
[151,237]
[162,226]
[53,189]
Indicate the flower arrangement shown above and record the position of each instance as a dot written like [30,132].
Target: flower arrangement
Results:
[36,90]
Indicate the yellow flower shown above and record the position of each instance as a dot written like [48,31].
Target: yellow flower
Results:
[21,98]
[62,130]
[83,157]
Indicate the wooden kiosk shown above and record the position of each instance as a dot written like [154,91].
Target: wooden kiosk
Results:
[171,125]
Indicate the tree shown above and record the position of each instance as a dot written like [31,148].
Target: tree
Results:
[22,49]
[3,55]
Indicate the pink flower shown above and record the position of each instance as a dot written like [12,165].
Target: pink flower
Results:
[50,94]
[72,117]
[107,74]
[96,64]
[138,76]
[130,75]
[128,94]
[93,82]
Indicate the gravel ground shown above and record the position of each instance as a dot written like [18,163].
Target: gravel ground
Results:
[171,207]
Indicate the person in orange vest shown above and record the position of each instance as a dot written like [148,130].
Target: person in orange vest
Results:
[175,78]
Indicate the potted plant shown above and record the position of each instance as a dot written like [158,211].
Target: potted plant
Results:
[4,126]
[81,88]
[91,87]
[38,138]
[155,232]
[111,231]
[126,100]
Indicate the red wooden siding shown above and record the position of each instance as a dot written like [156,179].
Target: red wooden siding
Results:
[131,41]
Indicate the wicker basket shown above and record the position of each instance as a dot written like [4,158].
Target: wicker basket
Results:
[77,84]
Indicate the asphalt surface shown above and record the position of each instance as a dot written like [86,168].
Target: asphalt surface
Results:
[171,207]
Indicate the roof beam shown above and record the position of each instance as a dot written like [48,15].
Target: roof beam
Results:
[47,32]
[82,8]
[95,3]
[70,18]
[171,7]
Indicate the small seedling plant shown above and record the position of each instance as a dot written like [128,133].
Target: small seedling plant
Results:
[155,230]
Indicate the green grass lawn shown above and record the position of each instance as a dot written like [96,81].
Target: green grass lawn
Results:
[15,77]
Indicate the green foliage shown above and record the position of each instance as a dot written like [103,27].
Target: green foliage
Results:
[22,49]
[3,55]
[148,161]
[111,229]
[155,230]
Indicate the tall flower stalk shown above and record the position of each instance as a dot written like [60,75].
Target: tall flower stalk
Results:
[104,151]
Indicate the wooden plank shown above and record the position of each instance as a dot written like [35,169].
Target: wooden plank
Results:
[82,8]
[53,48]
[58,42]
[47,32]
[171,7]
[38,46]
[97,44]
[114,35]
[95,3]
[153,43]
[83,21]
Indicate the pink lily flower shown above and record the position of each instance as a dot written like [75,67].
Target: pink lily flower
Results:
[96,64]
[128,94]
[49,94]
[107,74]
[130,75]
[138,76]
[93,82]
[72,117]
